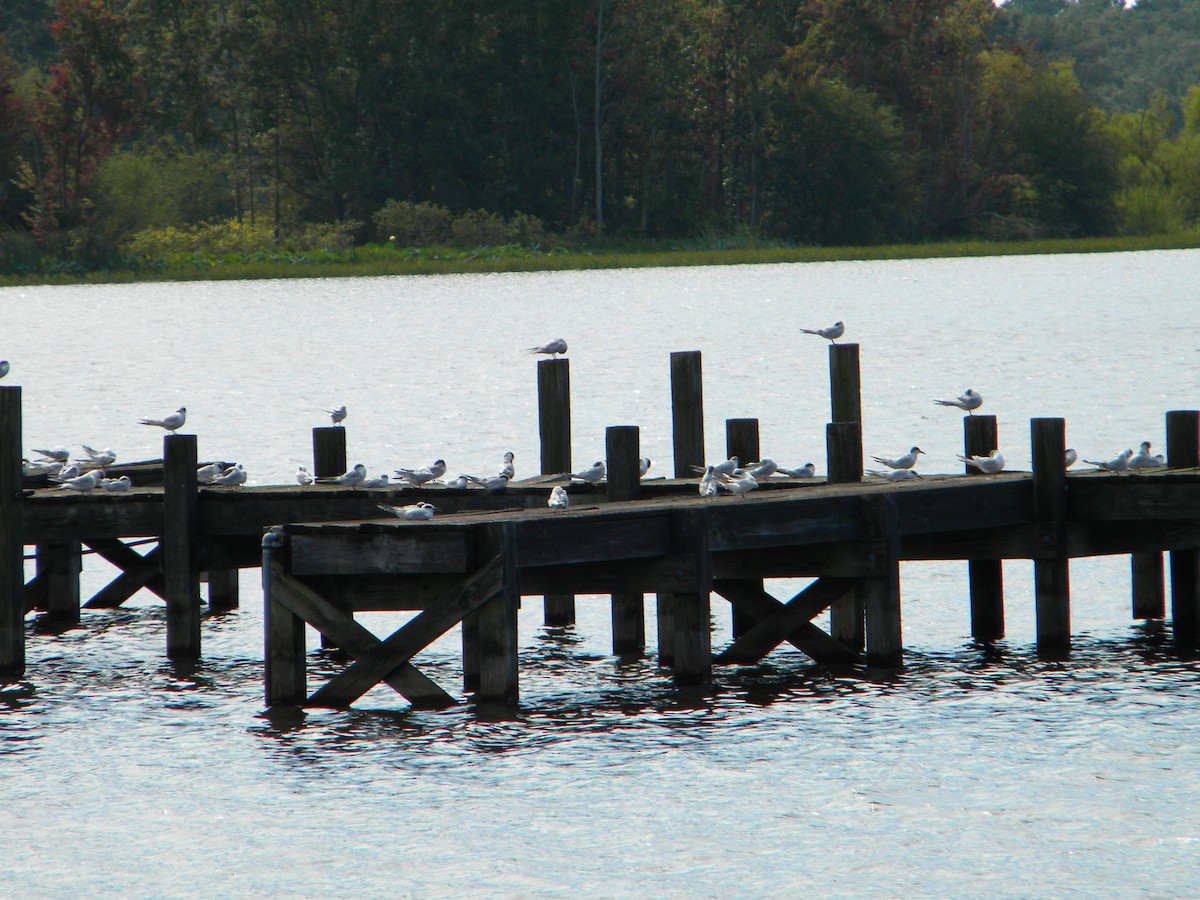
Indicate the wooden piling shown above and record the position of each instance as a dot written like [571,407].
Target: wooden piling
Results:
[985,576]
[880,592]
[554,431]
[691,616]
[59,564]
[496,626]
[181,531]
[285,674]
[1051,567]
[623,451]
[843,453]
[329,451]
[845,383]
[1183,452]
[742,441]
[1149,592]
[223,592]
[12,547]
[687,437]
[687,412]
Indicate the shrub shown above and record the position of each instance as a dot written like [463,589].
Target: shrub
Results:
[18,252]
[412,224]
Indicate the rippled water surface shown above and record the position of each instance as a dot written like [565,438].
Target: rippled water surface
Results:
[970,773]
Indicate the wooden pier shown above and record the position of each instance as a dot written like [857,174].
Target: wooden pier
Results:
[327,554]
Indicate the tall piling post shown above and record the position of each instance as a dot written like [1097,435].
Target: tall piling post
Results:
[12,540]
[880,591]
[845,384]
[623,451]
[844,464]
[1183,452]
[495,626]
[742,441]
[181,531]
[687,440]
[1051,567]
[985,576]
[554,432]
[329,451]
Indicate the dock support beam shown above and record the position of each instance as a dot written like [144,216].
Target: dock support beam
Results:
[985,576]
[691,616]
[59,564]
[623,451]
[554,431]
[12,546]
[1183,452]
[223,590]
[496,627]
[843,452]
[880,592]
[687,437]
[181,530]
[1149,593]
[1051,568]
[742,441]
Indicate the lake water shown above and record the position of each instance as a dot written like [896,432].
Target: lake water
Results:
[970,773]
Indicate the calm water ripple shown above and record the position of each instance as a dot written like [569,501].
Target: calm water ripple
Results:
[974,771]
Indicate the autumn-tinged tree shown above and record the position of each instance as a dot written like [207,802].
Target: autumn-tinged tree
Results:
[92,101]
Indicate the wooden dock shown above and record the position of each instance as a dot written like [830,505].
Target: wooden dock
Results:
[327,552]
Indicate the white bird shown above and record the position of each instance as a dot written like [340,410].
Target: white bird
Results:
[43,467]
[458,482]
[337,415]
[550,348]
[1143,459]
[507,467]
[644,465]
[4,367]
[764,468]
[494,484]
[58,454]
[97,459]
[66,473]
[351,478]
[989,465]
[206,474]
[969,400]
[88,481]
[415,512]
[234,475]
[808,470]
[895,474]
[171,423]
[303,477]
[722,468]
[559,498]
[376,482]
[708,483]
[591,475]
[117,484]
[1119,463]
[830,332]
[907,461]
[740,483]
[424,474]
[1069,457]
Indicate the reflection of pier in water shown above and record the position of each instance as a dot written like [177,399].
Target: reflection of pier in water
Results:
[331,554]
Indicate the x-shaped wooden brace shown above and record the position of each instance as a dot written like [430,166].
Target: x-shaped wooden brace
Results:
[778,622]
[137,572]
[386,660]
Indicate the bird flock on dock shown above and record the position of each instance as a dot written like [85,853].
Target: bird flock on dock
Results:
[87,472]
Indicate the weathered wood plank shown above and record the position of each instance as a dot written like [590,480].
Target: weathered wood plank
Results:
[137,572]
[569,540]
[779,625]
[66,515]
[410,550]
[806,637]
[356,641]
[418,633]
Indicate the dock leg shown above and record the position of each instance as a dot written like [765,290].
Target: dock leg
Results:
[223,590]
[628,624]
[665,620]
[470,650]
[181,529]
[693,639]
[60,563]
[1051,569]
[847,618]
[1149,593]
[497,630]
[283,636]
[558,610]
[12,547]
[1183,452]
[985,577]
[881,592]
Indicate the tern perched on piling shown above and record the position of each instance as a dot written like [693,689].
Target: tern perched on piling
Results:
[171,423]
[830,332]
[969,400]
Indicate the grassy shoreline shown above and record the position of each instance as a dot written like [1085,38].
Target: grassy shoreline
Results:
[380,261]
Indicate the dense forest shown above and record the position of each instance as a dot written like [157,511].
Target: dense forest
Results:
[132,127]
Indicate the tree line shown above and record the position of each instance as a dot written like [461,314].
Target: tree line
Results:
[832,122]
